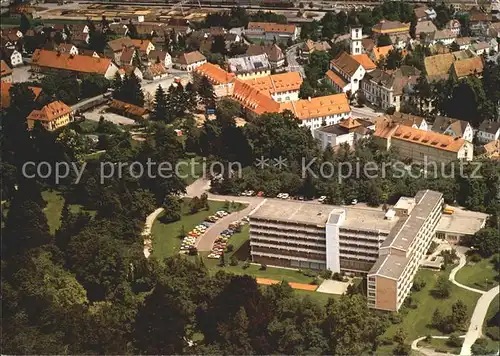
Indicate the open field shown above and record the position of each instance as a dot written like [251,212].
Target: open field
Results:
[480,275]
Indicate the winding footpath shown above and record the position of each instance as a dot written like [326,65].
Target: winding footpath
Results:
[476,323]
[148,243]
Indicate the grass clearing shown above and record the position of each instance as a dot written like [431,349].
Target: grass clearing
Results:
[417,322]
[55,203]
[191,169]
[480,275]
[166,241]
[52,211]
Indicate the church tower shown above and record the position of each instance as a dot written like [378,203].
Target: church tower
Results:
[356,37]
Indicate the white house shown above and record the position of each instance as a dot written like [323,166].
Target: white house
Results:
[15,57]
[463,43]
[161,57]
[488,131]
[347,131]
[453,127]
[68,48]
[345,73]
[454,26]
[446,37]
[386,89]
[480,48]
[190,61]
[316,112]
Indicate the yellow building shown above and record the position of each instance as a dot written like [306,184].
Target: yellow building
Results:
[385,27]
[52,116]
[423,146]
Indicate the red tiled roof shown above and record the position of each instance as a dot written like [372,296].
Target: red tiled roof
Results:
[365,61]
[272,27]
[276,83]
[336,79]
[83,64]
[215,74]
[4,69]
[50,112]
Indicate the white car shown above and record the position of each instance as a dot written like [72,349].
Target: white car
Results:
[280,195]
[322,198]
[285,196]
[250,193]
[354,202]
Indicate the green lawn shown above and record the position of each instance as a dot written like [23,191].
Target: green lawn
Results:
[165,236]
[191,169]
[416,321]
[492,311]
[480,275]
[440,345]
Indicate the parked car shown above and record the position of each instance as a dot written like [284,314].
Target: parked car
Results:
[354,202]
[322,199]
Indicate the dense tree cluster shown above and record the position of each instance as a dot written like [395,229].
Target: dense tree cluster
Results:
[471,99]
[239,17]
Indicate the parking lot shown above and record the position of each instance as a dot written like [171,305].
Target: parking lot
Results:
[21,74]
[96,114]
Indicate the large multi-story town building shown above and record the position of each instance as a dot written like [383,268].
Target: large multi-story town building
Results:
[385,88]
[66,64]
[423,147]
[271,31]
[387,246]
[282,88]
[249,67]
[391,277]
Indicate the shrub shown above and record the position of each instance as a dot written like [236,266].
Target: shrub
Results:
[263,267]
[193,251]
[428,338]
[493,332]
[396,318]
[229,248]
[418,284]
[325,274]
[454,340]
[475,258]
[233,261]
[315,281]
[246,265]
[337,277]
[308,272]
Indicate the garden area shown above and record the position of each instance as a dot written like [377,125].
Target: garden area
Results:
[412,322]
[168,237]
[479,272]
